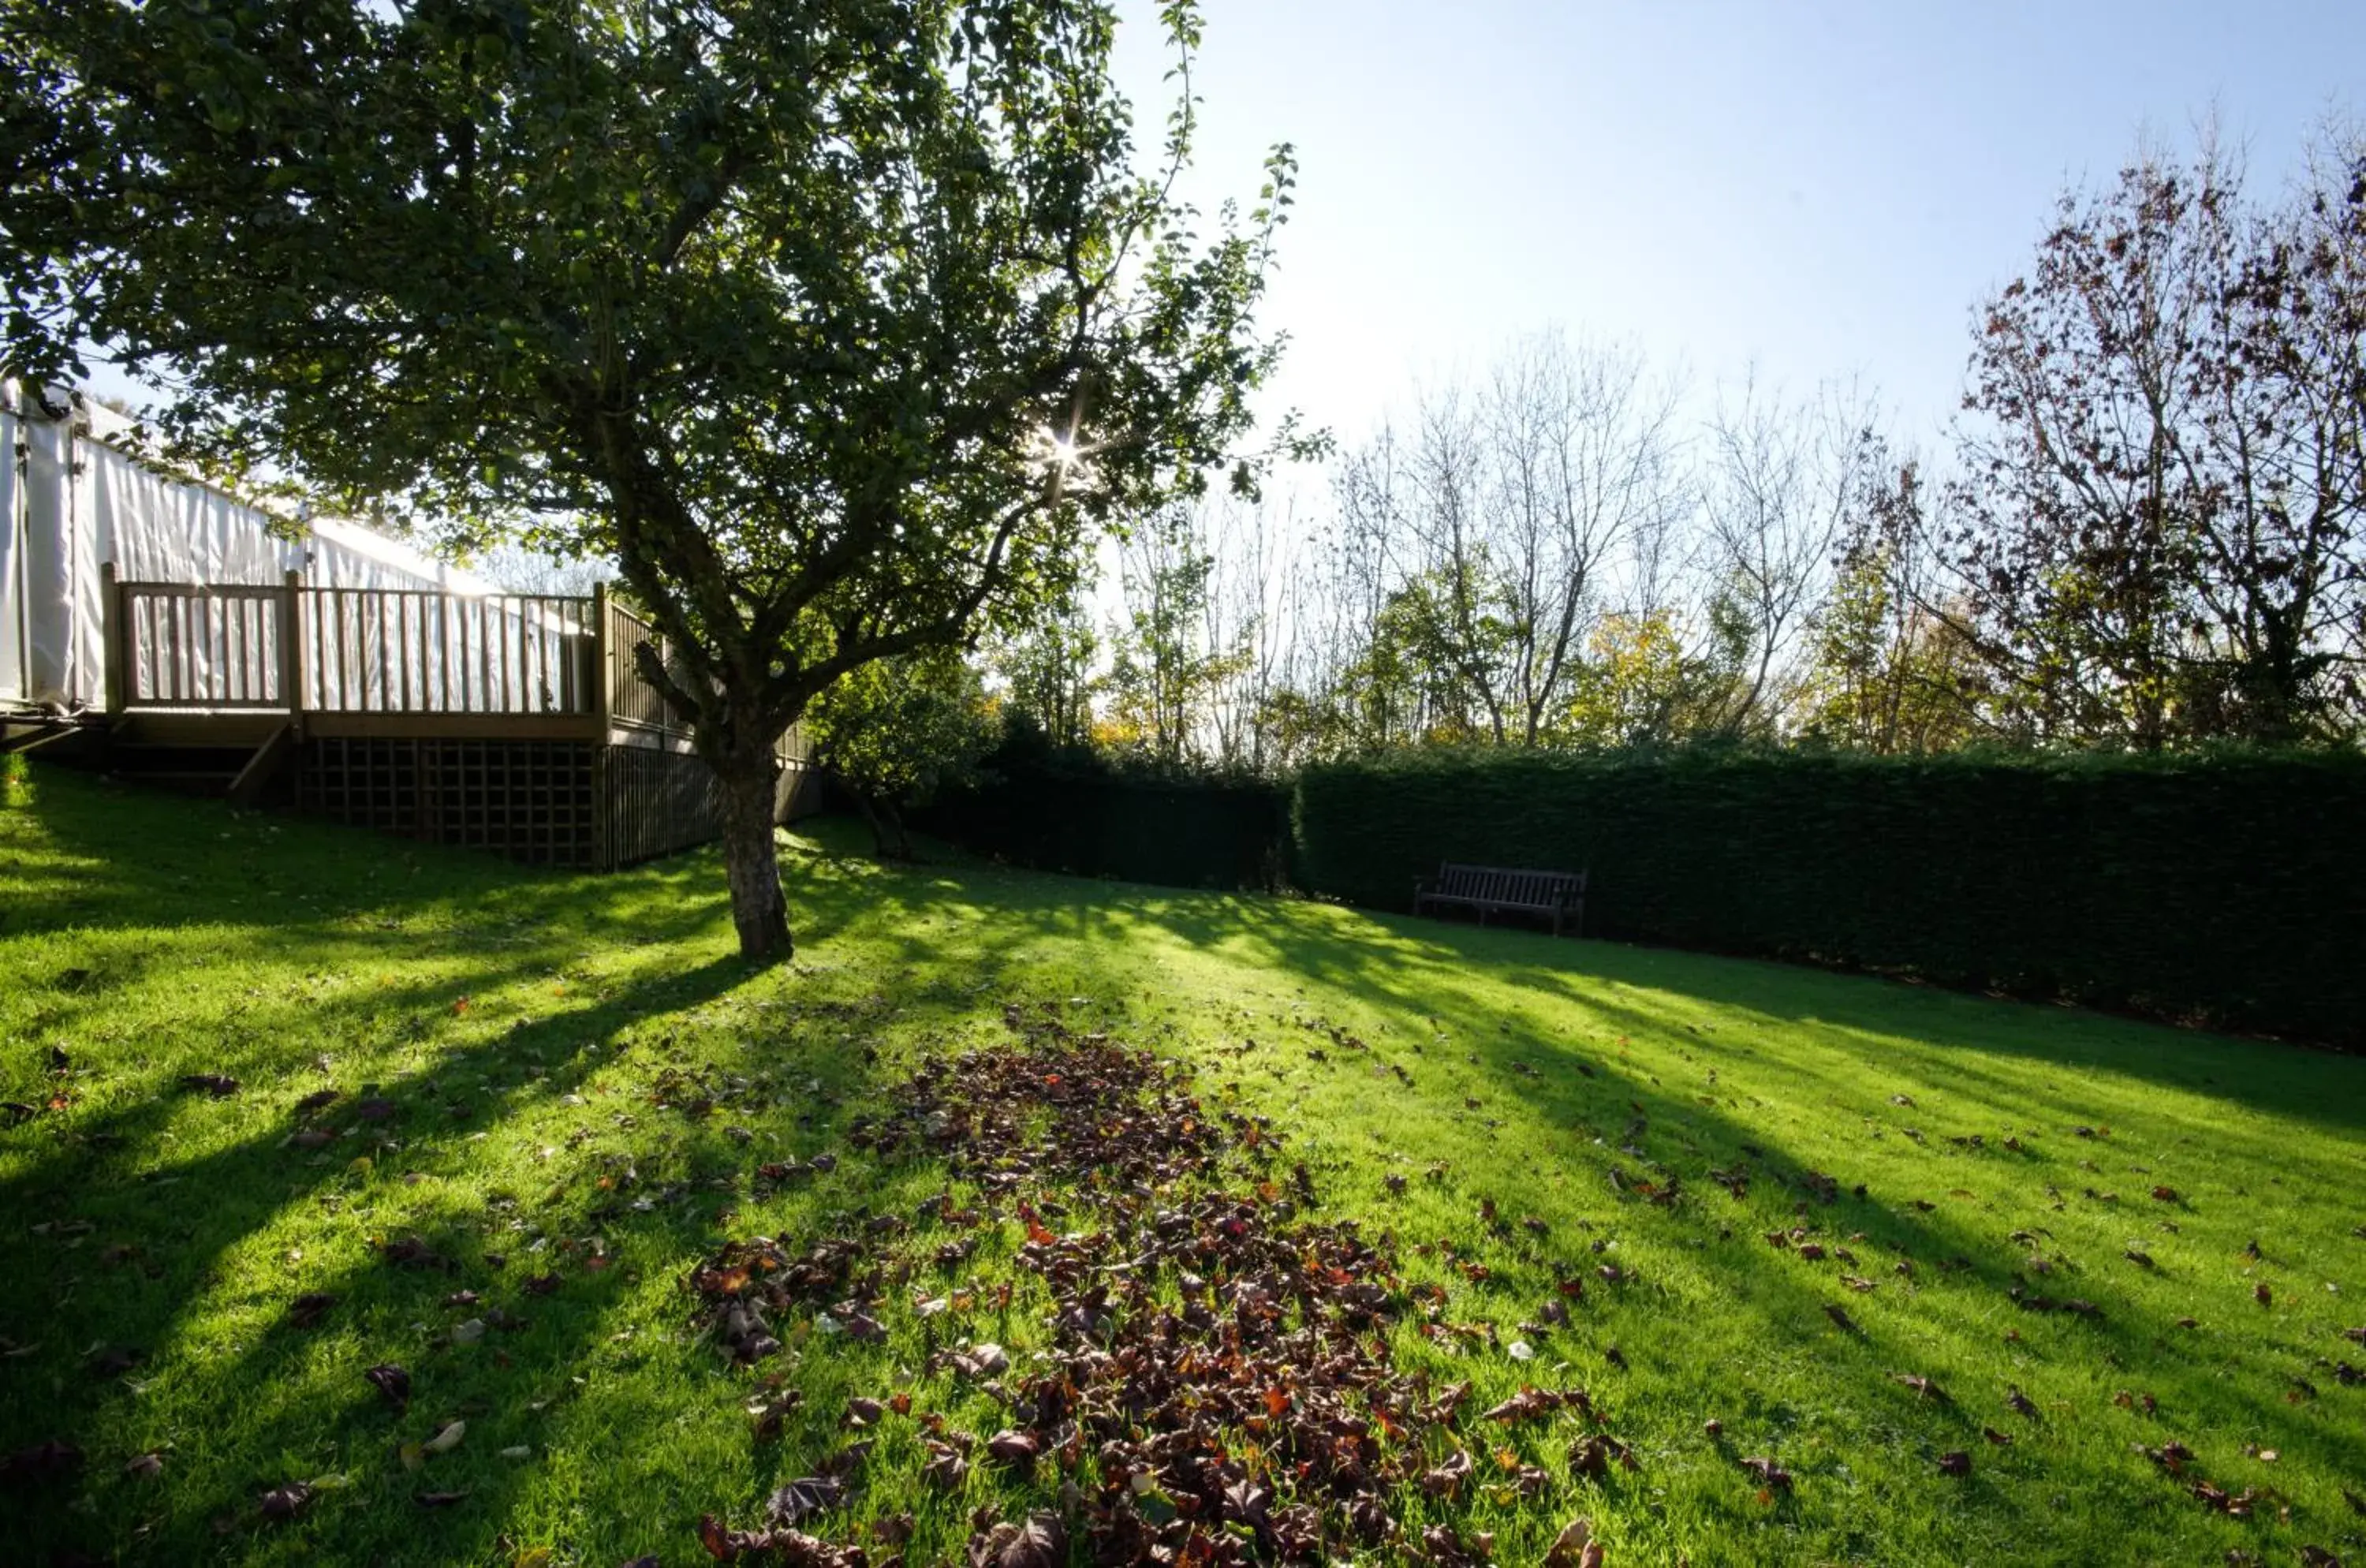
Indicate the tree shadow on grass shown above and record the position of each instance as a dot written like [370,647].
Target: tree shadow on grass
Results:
[254,1401]
[1344,946]
[1976,1067]
[1905,1036]
[149,1212]
[1801,1388]
[179,1226]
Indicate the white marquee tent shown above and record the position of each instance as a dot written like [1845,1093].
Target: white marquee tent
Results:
[75,498]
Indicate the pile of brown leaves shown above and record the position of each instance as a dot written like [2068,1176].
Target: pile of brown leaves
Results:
[1218,1387]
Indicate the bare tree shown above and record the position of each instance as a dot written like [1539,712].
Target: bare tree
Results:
[1457,610]
[1579,458]
[1777,483]
[2158,509]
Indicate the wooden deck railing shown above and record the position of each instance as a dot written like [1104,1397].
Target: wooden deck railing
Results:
[633,702]
[171,645]
[378,651]
[368,659]
[415,650]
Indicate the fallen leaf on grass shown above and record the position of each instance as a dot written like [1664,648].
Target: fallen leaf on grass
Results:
[1014,1448]
[2235,1505]
[1445,1549]
[1593,1455]
[307,1309]
[1955,1461]
[410,1252]
[1575,1547]
[447,1437]
[1041,1542]
[1531,1403]
[146,1465]
[436,1499]
[767,1413]
[392,1383]
[983,1361]
[946,1465]
[854,1324]
[284,1502]
[1447,1478]
[804,1497]
[214,1084]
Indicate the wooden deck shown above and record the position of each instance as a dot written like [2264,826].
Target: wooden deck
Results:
[375,662]
[519,723]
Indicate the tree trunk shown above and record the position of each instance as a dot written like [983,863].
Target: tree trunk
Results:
[758,909]
[872,819]
[888,839]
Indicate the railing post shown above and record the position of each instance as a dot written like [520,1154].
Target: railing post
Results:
[602,696]
[291,647]
[112,623]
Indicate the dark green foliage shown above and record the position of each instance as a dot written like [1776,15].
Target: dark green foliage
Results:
[2224,888]
[1069,809]
[2227,888]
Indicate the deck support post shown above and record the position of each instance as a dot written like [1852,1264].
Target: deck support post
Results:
[291,650]
[116,653]
[602,688]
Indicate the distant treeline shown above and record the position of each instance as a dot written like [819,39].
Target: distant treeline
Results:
[2143,532]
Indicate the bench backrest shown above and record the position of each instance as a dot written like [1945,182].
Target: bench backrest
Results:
[1537,889]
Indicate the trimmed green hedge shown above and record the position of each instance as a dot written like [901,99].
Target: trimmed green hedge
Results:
[2229,888]
[1183,834]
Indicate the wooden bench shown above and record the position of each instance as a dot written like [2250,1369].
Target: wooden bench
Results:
[1559,894]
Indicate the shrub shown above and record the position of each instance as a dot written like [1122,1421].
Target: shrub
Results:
[2227,888]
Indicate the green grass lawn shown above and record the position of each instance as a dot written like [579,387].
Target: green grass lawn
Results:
[541,1045]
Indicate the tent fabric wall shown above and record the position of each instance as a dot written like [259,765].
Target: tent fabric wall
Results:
[12,564]
[49,559]
[81,499]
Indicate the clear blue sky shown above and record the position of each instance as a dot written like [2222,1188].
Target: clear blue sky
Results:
[1823,188]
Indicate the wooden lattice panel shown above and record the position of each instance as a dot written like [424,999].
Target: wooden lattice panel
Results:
[546,802]
[530,800]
